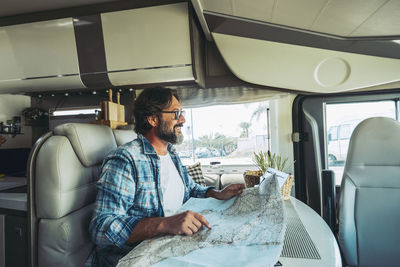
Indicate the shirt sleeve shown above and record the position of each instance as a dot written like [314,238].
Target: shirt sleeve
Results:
[110,224]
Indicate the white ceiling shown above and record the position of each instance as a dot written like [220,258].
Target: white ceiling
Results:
[347,18]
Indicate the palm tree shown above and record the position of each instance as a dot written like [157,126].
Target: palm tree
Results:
[245,128]
[261,109]
[205,141]
[218,141]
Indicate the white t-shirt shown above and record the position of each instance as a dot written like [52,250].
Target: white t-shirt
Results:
[171,184]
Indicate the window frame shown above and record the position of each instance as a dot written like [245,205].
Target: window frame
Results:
[310,155]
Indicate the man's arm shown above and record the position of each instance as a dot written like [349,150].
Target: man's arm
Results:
[187,223]
[111,225]
[226,193]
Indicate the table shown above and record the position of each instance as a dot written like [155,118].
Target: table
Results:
[14,201]
[318,231]
[8,182]
[13,218]
[308,242]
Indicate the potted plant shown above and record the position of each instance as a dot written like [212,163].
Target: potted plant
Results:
[265,160]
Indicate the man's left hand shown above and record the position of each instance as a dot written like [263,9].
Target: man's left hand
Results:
[226,193]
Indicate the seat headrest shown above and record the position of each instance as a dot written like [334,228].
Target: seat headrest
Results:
[90,142]
[375,141]
[124,136]
[374,148]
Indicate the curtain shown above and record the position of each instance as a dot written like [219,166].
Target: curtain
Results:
[191,97]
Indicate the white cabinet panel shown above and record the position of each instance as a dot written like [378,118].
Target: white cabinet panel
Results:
[37,50]
[145,42]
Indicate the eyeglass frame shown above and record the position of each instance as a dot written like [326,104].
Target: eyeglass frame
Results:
[178,113]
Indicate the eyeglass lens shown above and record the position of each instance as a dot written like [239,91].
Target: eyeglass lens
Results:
[179,113]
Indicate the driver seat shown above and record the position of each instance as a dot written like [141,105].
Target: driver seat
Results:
[369,213]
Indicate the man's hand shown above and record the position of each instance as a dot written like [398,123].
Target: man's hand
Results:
[226,193]
[187,223]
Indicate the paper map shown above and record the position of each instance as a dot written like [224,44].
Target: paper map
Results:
[252,220]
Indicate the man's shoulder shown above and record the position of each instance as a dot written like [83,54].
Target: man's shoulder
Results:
[132,149]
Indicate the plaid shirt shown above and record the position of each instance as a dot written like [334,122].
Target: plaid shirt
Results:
[129,190]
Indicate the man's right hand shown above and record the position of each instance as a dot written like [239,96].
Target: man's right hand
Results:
[187,223]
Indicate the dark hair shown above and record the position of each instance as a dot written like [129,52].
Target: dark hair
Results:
[150,102]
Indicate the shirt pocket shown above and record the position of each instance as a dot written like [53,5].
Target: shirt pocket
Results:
[146,198]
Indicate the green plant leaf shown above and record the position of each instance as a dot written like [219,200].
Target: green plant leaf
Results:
[265,160]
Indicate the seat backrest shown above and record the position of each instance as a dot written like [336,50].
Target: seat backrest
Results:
[369,215]
[64,167]
[124,136]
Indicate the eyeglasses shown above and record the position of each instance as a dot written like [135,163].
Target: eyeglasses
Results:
[177,113]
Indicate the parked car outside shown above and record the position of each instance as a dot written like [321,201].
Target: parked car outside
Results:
[202,152]
[338,141]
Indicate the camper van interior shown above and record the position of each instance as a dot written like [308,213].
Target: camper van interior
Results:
[313,83]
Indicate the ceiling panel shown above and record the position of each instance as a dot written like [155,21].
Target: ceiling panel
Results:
[255,9]
[335,17]
[299,14]
[220,6]
[342,17]
[386,21]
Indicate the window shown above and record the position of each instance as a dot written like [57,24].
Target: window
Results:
[228,134]
[332,134]
[341,120]
[78,114]
[345,131]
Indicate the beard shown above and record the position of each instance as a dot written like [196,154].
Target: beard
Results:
[167,135]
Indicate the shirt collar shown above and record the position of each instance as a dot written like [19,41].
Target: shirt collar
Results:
[148,147]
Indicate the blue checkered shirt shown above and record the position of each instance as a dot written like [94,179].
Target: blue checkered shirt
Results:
[129,190]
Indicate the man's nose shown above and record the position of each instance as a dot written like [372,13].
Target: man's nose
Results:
[182,119]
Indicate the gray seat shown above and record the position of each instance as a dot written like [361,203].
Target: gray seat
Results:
[369,213]
[63,169]
[124,136]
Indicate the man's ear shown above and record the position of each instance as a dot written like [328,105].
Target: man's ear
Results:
[152,120]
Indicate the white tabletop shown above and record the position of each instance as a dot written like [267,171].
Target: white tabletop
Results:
[320,234]
[13,201]
[8,182]
[312,225]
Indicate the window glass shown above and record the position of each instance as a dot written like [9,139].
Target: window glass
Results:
[228,134]
[345,131]
[332,134]
[343,118]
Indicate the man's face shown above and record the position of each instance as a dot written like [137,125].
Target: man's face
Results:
[169,128]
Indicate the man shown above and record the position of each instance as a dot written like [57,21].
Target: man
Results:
[143,183]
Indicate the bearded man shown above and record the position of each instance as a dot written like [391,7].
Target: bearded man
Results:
[143,183]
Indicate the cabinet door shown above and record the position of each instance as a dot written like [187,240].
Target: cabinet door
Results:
[16,241]
[2,243]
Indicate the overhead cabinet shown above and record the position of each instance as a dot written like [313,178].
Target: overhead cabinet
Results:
[149,45]
[37,56]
